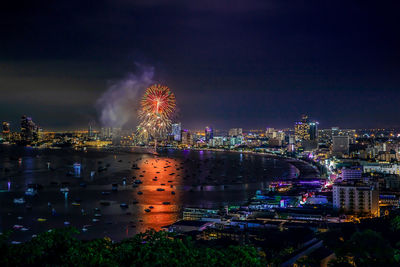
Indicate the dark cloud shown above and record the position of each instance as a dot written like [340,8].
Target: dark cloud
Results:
[252,63]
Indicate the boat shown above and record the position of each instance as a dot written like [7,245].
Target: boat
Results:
[31,192]
[24,229]
[137,181]
[151,207]
[114,187]
[97,215]
[124,205]
[17,226]
[19,200]
[64,190]
[147,210]
[41,219]
[173,192]
[166,203]
[160,189]
[140,193]
[105,193]
[76,204]
[95,220]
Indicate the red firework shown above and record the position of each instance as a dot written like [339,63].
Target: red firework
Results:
[158,106]
[159,100]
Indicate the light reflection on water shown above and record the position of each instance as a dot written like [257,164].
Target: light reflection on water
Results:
[199,183]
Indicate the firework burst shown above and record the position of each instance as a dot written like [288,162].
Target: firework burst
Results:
[157,109]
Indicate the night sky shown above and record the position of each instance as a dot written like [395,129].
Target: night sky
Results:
[250,63]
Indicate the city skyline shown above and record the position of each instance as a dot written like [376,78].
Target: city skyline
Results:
[251,64]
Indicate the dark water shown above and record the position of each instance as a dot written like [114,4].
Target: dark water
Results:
[198,178]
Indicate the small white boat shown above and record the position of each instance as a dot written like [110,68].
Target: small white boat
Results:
[19,200]
[31,192]
[64,189]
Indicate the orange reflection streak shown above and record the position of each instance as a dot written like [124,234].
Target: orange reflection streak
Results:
[161,214]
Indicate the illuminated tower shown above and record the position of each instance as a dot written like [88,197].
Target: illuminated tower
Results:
[29,130]
[302,129]
[6,131]
[176,131]
[209,133]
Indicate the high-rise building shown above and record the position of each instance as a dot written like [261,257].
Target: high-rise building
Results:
[187,137]
[302,129]
[356,199]
[28,129]
[306,132]
[335,131]
[176,131]
[235,132]
[90,131]
[106,133]
[209,133]
[340,145]
[313,130]
[6,133]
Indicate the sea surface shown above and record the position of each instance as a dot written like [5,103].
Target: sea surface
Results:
[187,178]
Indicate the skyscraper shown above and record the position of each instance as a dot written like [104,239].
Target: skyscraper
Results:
[28,129]
[235,132]
[90,131]
[187,137]
[176,131]
[6,131]
[313,131]
[302,129]
[209,133]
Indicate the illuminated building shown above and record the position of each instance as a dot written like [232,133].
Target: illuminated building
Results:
[176,131]
[208,133]
[6,131]
[302,129]
[90,131]
[28,130]
[356,199]
[106,133]
[235,132]
[313,130]
[187,137]
[335,131]
[193,214]
[353,173]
